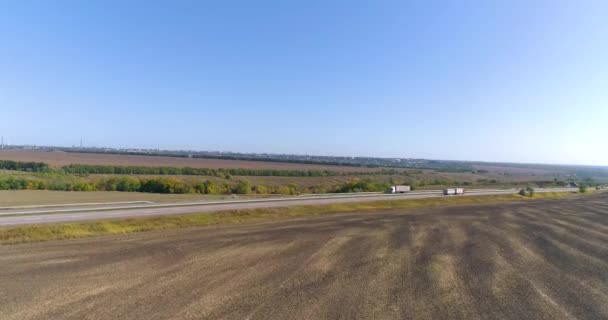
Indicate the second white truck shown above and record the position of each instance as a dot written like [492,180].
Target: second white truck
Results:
[453,191]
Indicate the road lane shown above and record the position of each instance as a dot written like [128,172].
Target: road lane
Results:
[90,204]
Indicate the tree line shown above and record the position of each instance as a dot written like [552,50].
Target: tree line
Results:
[85,169]
[173,185]
[24,166]
[82,169]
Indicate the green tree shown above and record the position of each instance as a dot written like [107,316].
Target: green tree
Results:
[211,187]
[260,189]
[243,187]
[530,191]
[283,190]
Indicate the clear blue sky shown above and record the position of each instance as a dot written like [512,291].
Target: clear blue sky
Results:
[521,81]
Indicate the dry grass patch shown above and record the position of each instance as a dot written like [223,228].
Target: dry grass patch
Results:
[9,198]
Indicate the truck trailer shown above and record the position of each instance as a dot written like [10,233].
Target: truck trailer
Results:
[453,191]
[400,189]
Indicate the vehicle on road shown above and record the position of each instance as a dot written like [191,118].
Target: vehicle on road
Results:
[453,191]
[400,189]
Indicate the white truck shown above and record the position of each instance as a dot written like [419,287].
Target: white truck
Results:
[453,191]
[400,189]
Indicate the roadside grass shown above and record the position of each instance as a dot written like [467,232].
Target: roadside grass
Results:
[45,232]
[547,195]
[16,198]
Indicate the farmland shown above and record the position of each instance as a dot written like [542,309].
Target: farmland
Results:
[16,180]
[87,171]
[543,259]
[59,159]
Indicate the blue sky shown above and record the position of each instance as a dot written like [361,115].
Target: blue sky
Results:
[519,81]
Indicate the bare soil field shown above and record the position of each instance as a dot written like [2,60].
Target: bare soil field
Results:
[521,173]
[536,260]
[58,159]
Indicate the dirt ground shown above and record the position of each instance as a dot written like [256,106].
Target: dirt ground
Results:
[536,260]
[58,159]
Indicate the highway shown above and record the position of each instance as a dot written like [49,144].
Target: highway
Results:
[72,213]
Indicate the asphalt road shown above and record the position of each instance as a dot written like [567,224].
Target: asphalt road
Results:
[84,213]
[531,260]
[149,205]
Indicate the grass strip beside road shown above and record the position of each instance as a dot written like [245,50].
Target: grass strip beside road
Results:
[45,232]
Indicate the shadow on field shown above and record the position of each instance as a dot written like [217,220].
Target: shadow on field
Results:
[536,260]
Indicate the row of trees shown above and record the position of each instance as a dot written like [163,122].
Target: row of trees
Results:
[24,166]
[174,185]
[150,185]
[82,169]
[362,186]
